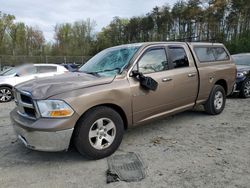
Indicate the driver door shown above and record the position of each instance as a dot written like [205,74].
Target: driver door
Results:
[26,73]
[148,104]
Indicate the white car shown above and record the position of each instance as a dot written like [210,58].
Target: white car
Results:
[16,75]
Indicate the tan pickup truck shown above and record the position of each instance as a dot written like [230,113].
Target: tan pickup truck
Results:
[120,87]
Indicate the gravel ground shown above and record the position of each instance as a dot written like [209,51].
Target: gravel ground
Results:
[190,149]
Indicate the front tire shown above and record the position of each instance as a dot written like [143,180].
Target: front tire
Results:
[99,132]
[216,101]
[6,94]
[245,89]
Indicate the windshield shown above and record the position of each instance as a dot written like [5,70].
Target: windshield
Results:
[8,72]
[110,61]
[241,59]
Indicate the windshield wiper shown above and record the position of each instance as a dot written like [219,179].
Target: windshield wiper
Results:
[92,73]
[108,70]
[97,72]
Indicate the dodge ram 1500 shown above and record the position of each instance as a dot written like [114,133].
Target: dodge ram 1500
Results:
[120,87]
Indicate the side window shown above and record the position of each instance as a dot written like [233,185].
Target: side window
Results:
[204,54]
[46,69]
[220,54]
[179,57]
[211,54]
[154,60]
[27,70]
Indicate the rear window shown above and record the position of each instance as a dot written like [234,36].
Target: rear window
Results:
[211,54]
[220,54]
[46,69]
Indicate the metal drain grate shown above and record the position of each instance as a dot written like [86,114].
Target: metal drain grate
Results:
[125,167]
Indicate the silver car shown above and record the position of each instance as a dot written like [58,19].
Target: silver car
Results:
[16,75]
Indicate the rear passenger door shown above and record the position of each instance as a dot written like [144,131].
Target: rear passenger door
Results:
[184,76]
[45,71]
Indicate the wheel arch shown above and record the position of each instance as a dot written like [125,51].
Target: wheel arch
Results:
[115,107]
[222,83]
[6,85]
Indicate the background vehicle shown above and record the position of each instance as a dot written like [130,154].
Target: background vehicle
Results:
[16,75]
[71,67]
[242,62]
[121,87]
[5,68]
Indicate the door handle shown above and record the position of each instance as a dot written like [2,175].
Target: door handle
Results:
[192,75]
[167,79]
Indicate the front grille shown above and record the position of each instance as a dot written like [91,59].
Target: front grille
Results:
[26,99]
[30,112]
[25,104]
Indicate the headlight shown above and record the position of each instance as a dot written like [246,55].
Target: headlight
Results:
[54,108]
[241,74]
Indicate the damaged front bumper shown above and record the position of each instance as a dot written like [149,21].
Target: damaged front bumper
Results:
[38,139]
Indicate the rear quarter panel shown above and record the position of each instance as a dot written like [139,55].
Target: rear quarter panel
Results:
[212,72]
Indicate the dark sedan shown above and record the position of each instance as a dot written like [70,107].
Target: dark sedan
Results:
[242,62]
[71,67]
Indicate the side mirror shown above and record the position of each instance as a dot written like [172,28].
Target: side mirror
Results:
[136,73]
[146,82]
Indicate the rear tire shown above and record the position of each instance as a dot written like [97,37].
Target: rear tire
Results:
[6,94]
[99,132]
[216,101]
[245,89]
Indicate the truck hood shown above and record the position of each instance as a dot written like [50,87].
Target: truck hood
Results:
[43,88]
[241,68]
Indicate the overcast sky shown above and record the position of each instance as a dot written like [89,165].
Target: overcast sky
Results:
[47,13]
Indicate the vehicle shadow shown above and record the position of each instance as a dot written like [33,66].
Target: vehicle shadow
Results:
[16,153]
[197,112]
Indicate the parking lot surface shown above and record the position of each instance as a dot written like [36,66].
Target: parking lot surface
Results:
[191,149]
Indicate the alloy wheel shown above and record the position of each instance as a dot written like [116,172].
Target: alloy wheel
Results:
[102,133]
[218,100]
[5,94]
[247,89]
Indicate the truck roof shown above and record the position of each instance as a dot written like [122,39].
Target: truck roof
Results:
[205,44]
[168,42]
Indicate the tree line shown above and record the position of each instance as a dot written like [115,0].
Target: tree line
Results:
[225,21]
[18,38]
